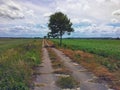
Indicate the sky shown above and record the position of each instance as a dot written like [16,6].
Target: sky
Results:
[90,18]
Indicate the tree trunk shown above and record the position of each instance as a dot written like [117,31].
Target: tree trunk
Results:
[61,38]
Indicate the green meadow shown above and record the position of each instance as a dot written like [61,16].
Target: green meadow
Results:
[107,52]
[102,47]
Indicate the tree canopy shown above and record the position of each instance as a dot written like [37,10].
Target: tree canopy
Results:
[59,24]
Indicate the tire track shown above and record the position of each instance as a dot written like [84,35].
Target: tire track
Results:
[46,79]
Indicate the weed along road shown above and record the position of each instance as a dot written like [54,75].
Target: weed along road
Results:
[45,80]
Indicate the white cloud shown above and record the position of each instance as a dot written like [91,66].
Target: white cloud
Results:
[29,29]
[30,13]
[47,14]
[87,20]
[75,20]
[114,20]
[86,7]
[116,12]
[11,10]
[99,10]
[97,31]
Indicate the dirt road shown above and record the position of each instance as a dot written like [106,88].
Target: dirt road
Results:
[46,79]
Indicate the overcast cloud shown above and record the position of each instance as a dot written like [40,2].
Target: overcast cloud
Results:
[90,18]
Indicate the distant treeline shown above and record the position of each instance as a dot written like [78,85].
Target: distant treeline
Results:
[92,38]
[20,37]
[118,38]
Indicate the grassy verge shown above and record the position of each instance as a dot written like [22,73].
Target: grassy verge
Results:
[16,65]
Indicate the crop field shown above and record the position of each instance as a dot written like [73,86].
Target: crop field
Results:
[107,51]
[11,43]
[17,59]
[106,48]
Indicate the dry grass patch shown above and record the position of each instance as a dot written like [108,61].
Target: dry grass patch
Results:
[39,84]
[62,71]
[93,64]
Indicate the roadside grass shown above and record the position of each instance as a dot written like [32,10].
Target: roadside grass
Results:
[106,69]
[16,64]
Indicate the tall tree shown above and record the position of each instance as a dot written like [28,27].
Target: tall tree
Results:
[59,24]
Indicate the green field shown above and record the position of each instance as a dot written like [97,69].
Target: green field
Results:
[106,48]
[11,43]
[18,57]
